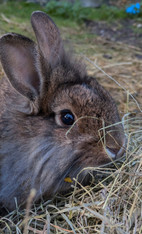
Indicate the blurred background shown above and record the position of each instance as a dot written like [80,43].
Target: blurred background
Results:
[108,32]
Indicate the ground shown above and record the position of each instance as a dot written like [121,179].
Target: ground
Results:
[127,31]
[117,48]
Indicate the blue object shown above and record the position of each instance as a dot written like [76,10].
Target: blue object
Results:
[133,9]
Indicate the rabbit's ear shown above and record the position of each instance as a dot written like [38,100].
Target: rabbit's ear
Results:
[17,54]
[48,37]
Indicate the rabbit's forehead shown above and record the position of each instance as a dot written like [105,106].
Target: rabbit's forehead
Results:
[76,96]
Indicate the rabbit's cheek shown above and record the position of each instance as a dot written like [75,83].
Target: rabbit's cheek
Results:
[95,159]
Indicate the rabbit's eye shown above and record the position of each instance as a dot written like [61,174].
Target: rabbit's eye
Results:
[67,117]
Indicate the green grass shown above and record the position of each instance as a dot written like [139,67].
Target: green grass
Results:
[15,17]
[17,9]
[107,13]
[78,13]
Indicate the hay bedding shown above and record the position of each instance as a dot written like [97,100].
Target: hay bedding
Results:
[113,203]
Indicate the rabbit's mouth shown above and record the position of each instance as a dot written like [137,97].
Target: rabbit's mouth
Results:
[87,176]
[89,169]
[77,175]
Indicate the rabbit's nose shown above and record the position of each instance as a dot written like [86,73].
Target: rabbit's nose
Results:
[121,152]
[110,153]
[116,152]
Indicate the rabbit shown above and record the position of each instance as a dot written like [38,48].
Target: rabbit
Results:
[52,117]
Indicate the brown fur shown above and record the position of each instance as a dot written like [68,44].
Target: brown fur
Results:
[42,80]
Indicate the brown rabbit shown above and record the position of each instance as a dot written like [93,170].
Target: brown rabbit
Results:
[51,115]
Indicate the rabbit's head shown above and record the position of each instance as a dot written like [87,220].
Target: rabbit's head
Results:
[57,120]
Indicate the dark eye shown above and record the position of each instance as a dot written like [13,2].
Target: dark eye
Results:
[67,117]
